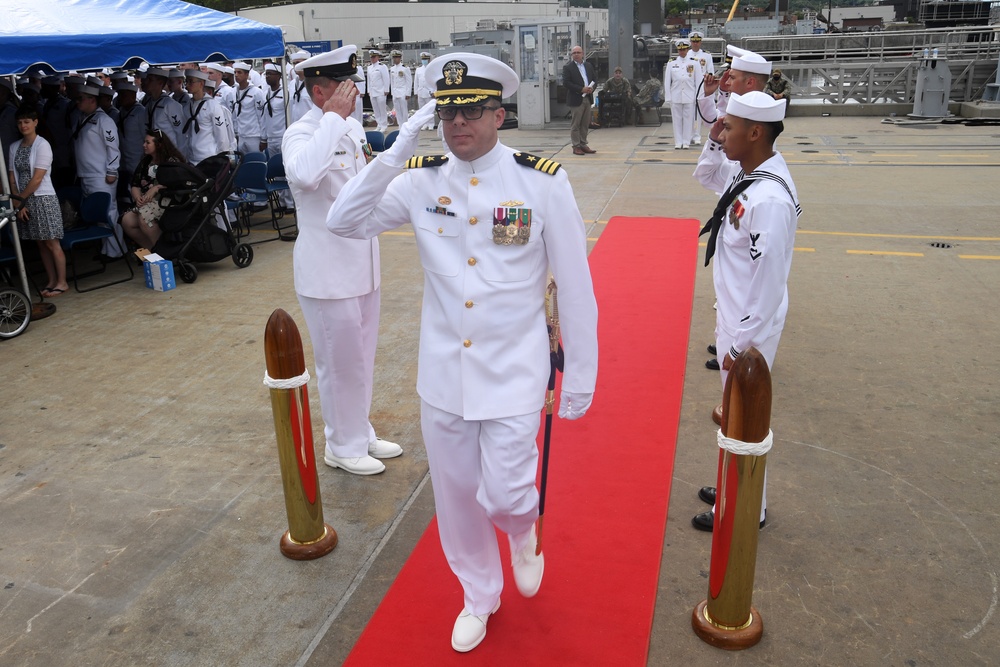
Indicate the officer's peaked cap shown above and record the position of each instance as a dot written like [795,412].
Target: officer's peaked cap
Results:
[470,78]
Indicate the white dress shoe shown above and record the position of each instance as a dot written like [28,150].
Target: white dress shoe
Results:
[383,449]
[528,568]
[469,630]
[358,465]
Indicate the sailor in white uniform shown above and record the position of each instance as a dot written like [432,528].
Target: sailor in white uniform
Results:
[359,101]
[163,112]
[680,83]
[98,158]
[273,120]
[422,87]
[746,71]
[704,59]
[224,93]
[204,126]
[752,236]
[401,87]
[131,130]
[297,85]
[246,112]
[226,116]
[378,86]
[490,224]
[336,279]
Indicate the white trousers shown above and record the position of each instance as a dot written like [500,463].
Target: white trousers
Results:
[89,184]
[378,108]
[682,120]
[483,474]
[344,335]
[248,144]
[401,107]
[723,342]
[421,103]
[359,110]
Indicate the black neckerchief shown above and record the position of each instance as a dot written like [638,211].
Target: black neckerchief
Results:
[267,102]
[714,224]
[239,101]
[194,118]
[298,90]
[151,111]
[83,123]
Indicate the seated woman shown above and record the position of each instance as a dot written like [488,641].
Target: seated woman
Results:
[140,222]
[39,217]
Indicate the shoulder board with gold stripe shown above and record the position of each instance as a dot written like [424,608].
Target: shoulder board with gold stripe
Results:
[542,164]
[418,161]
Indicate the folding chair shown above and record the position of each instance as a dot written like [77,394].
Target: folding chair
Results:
[249,191]
[376,140]
[255,157]
[95,226]
[276,184]
[390,139]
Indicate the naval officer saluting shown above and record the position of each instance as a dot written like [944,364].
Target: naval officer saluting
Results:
[336,279]
[490,223]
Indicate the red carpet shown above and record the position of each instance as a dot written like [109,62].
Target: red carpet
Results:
[609,482]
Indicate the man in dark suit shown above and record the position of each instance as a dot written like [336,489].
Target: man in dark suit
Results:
[578,77]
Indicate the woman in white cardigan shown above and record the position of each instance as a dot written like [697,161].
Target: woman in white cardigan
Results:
[39,215]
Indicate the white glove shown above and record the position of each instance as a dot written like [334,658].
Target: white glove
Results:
[574,406]
[409,135]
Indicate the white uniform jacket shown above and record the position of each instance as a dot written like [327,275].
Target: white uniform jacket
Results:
[484,351]
[713,107]
[378,79]
[421,86]
[681,77]
[704,59]
[246,113]
[167,115]
[226,94]
[301,102]
[322,151]
[272,116]
[205,130]
[401,81]
[95,141]
[753,255]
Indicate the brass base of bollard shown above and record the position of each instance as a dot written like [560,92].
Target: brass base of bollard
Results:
[731,639]
[312,550]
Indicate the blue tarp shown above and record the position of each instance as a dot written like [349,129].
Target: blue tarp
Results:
[92,34]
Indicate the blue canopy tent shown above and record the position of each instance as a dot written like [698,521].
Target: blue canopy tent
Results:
[62,35]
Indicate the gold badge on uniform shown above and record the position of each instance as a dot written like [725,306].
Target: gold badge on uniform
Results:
[511,226]
[444,201]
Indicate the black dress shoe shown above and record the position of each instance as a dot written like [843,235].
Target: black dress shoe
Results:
[711,349]
[707,494]
[706,521]
[712,364]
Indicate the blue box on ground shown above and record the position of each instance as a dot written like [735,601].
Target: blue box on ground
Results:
[159,272]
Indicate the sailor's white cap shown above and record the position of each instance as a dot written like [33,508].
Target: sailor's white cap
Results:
[340,64]
[195,74]
[751,62]
[298,56]
[271,67]
[470,78]
[757,106]
[242,65]
[218,67]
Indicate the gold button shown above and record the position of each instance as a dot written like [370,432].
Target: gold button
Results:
[440,230]
[467,343]
[468,304]
[473,220]
[472,261]
[474,181]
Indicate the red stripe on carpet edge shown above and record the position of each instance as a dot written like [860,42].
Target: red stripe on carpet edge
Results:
[609,484]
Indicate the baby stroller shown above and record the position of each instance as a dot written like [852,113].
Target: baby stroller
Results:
[191,199]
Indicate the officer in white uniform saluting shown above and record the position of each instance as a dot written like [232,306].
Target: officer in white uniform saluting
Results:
[246,112]
[490,223]
[401,87]
[336,279]
[681,77]
[204,127]
[163,112]
[752,237]
[98,157]
[378,86]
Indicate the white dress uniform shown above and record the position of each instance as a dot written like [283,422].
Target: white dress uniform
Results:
[484,356]
[98,155]
[301,102]
[401,87]
[336,279]
[753,255]
[359,103]
[226,94]
[273,120]
[246,118]
[423,89]
[378,86]
[681,77]
[704,59]
[166,114]
[204,128]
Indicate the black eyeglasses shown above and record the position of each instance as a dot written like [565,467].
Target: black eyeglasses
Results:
[470,113]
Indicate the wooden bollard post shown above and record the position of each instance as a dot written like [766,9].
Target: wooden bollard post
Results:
[307,537]
[727,619]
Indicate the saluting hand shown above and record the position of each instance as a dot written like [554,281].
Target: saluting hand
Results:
[711,85]
[341,102]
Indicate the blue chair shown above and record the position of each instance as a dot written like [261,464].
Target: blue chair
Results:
[249,192]
[376,140]
[276,184]
[255,157]
[390,139]
[95,226]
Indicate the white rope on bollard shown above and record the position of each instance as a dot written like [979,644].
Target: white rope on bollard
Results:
[290,383]
[746,448]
